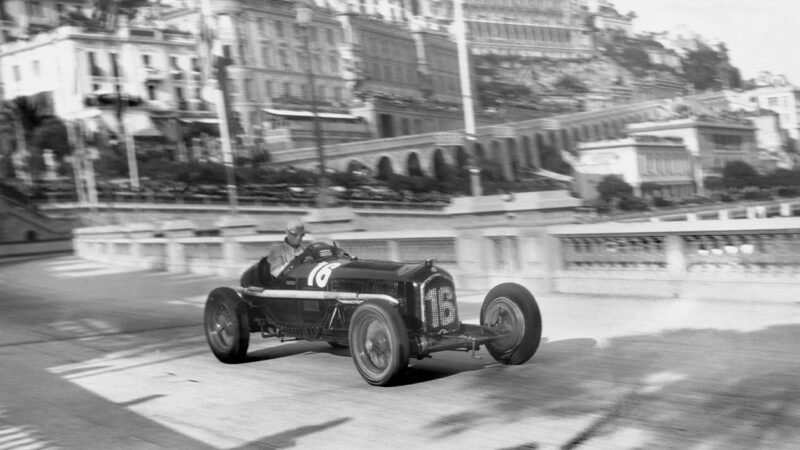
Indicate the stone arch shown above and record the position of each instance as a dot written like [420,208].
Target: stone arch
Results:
[440,169]
[385,170]
[515,160]
[563,140]
[462,158]
[354,166]
[413,165]
[576,134]
[498,166]
[528,151]
[480,155]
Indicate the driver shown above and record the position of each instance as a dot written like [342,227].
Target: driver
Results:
[283,253]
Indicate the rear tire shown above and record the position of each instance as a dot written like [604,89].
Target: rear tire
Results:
[511,309]
[227,325]
[378,342]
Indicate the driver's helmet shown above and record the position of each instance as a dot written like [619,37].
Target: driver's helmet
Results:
[295,227]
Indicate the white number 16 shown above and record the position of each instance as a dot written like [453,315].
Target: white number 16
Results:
[321,274]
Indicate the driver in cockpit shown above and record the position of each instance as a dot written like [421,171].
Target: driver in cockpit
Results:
[283,253]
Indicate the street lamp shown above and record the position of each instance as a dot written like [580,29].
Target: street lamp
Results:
[304,19]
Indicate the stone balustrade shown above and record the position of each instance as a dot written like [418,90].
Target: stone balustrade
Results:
[726,259]
[723,259]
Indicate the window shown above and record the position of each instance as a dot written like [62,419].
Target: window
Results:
[329,36]
[151,92]
[146,60]
[114,65]
[262,29]
[334,64]
[36,68]
[772,102]
[93,68]
[337,94]
[17,74]
[265,57]
[268,88]
[287,89]
[279,29]
[312,35]
[284,58]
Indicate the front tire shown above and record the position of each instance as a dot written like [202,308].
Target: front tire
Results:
[227,325]
[510,309]
[378,342]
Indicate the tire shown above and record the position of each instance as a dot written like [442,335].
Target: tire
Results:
[511,308]
[227,325]
[378,342]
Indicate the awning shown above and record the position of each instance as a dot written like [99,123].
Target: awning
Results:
[323,115]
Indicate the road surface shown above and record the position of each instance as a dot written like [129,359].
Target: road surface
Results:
[99,357]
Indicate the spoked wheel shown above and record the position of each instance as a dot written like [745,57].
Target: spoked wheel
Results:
[378,343]
[511,311]
[226,325]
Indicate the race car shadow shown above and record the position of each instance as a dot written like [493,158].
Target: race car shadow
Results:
[293,348]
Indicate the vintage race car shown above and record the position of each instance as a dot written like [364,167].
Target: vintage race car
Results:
[386,312]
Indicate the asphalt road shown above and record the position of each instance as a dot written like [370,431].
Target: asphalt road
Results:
[96,357]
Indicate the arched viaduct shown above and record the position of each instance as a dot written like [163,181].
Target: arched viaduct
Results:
[505,149]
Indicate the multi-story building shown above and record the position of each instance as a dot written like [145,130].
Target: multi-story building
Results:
[785,101]
[544,28]
[24,18]
[85,72]
[712,140]
[652,165]
[377,68]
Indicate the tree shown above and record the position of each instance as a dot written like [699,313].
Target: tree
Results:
[739,174]
[613,187]
[706,68]
[52,134]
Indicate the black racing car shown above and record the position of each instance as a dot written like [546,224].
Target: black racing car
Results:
[386,312]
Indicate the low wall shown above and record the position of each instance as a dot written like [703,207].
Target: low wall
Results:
[476,257]
[748,259]
[14,249]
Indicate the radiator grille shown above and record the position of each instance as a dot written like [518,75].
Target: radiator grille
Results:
[439,305]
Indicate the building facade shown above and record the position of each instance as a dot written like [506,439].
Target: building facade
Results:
[785,101]
[543,28]
[652,165]
[712,141]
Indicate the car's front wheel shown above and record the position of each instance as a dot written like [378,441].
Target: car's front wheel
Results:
[226,325]
[511,311]
[378,342]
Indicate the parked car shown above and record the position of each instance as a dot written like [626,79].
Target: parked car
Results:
[386,312]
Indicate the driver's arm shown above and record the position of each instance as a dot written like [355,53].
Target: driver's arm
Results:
[276,270]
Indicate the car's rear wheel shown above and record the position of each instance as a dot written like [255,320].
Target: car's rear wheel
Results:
[511,311]
[378,342]
[226,325]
